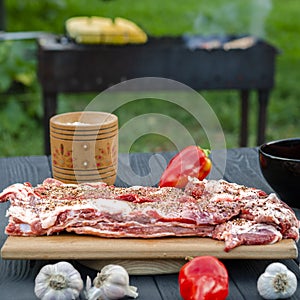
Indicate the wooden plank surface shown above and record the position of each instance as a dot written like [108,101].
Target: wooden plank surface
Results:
[71,246]
[138,256]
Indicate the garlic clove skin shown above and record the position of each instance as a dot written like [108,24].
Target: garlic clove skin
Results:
[276,268]
[115,273]
[92,293]
[277,282]
[112,291]
[60,295]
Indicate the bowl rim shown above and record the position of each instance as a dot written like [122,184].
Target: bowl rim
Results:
[260,149]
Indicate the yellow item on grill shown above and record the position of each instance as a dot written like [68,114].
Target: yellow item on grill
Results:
[97,30]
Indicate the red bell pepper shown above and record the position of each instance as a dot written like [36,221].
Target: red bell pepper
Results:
[203,278]
[192,161]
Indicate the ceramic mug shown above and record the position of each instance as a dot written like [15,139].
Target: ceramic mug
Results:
[84,147]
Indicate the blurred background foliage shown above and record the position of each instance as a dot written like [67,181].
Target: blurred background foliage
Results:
[276,21]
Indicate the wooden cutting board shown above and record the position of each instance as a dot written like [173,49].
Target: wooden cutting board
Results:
[139,256]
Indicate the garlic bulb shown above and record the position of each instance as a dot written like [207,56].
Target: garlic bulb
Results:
[111,283]
[277,282]
[60,281]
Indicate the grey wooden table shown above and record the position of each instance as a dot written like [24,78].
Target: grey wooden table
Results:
[17,277]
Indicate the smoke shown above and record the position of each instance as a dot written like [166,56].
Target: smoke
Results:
[234,17]
[223,19]
[260,10]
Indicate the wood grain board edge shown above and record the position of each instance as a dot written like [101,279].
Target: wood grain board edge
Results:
[139,266]
[96,248]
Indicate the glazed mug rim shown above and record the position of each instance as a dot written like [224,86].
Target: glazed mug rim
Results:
[109,119]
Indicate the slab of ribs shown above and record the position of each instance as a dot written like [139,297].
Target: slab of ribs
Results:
[233,213]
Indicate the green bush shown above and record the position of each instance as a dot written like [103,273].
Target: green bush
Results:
[20,107]
[276,21]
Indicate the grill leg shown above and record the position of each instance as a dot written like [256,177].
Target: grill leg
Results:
[244,94]
[263,98]
[50,106]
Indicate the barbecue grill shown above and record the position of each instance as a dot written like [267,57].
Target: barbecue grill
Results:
[65,66]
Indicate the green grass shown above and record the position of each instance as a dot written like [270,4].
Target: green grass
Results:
[169,17]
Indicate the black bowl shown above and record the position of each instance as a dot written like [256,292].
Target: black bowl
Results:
[280,165]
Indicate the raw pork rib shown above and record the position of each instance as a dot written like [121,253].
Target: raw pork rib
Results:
[244,232]
[217,209]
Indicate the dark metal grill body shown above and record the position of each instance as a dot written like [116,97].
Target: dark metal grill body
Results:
[64,66]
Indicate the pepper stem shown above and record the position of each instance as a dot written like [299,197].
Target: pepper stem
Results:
[206,151]
[189,258]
